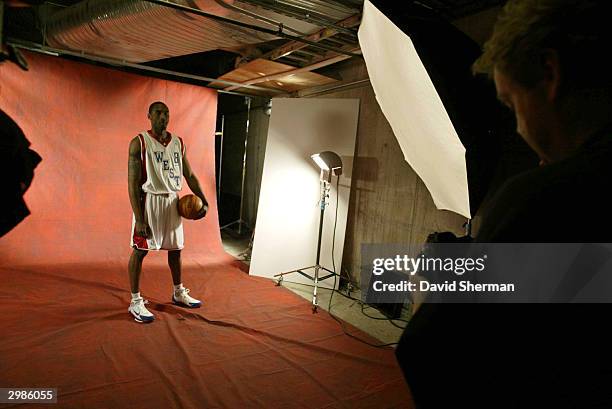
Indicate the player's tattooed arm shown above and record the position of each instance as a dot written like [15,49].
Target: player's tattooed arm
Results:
[134,187]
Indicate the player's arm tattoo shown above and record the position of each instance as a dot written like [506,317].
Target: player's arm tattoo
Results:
[134,178]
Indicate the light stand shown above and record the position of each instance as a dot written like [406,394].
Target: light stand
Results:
[240,220]
[328,162]
[220,158]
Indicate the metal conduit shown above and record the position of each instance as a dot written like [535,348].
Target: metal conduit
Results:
[257,16]
[278,33]
[307,16]
[111,61]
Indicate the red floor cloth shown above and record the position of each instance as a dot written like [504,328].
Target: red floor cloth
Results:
[252,344]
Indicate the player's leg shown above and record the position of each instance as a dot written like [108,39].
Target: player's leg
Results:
[135,268]
[175,264]
[181,294]
[140,246]
[173,242]
[137,305]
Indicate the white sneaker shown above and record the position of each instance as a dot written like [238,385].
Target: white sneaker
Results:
[139,311]
[181,297]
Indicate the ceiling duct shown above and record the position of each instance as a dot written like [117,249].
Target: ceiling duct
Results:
[320,12]
[140,31]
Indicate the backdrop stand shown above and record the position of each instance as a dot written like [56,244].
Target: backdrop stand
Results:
[240,221]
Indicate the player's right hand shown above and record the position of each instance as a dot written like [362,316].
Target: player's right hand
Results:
[202,212]
[141,229]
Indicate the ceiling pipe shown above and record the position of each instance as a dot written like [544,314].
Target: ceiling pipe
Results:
[320,35]
[306,16]
[278,33]
[256,16]
[39,48]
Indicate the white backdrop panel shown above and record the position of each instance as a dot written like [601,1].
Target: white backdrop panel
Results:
[288,217]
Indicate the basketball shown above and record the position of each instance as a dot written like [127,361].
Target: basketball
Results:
[189,206]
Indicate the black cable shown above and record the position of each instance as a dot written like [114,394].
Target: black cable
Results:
[398,326]
[335,223]
[334,266]
[363,305]
[334,244]
[391,320]
[342,323]
[349,297]
[334,241]
[348,333]
[329,306]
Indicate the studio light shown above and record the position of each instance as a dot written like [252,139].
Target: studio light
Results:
[329,163]
[328,160]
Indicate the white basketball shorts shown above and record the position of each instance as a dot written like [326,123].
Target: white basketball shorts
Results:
[165,224]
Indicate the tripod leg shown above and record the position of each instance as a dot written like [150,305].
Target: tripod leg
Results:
[314,292]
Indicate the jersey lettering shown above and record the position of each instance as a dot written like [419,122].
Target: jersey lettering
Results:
[164,166]
[175,177]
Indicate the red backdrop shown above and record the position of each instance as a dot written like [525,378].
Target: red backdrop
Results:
[80,118]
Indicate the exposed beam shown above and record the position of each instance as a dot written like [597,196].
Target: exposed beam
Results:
[291,46]
[307,52]
[283,74]
[297,59]
[330,54]
[311,92]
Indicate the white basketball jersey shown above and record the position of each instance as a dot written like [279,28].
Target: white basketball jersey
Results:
[163,165]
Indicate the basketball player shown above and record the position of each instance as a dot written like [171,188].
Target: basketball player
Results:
[156,166]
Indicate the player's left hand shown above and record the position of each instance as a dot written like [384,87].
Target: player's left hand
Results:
[202,212]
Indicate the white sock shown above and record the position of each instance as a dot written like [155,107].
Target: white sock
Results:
[178,287]
[135,296]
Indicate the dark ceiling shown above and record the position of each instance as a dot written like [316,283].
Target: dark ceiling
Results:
[24,23]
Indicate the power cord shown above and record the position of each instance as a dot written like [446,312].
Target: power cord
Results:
[391,320]
[329,306]
[346,331]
